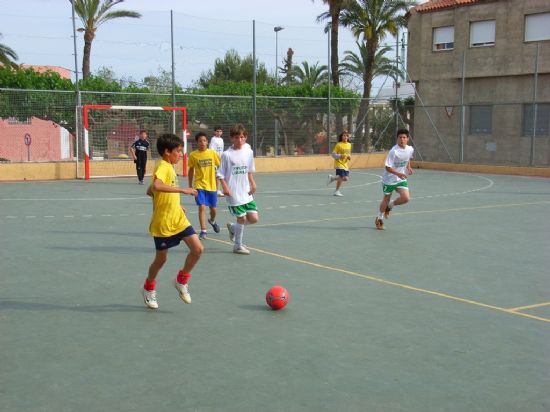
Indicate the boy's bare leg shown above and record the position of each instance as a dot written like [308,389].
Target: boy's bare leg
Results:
[195,252]
[158,263]
[202,217]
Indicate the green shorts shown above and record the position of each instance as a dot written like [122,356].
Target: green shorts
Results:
[388,189]
[242,210]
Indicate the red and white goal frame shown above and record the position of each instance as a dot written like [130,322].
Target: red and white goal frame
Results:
[87,107]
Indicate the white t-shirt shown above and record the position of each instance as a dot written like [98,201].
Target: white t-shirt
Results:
[216,144]
[397,159]
[234,169]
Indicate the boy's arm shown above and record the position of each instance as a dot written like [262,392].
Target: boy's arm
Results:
[190,174]
[132,152]
[225,187]
[160,186]
[252,183]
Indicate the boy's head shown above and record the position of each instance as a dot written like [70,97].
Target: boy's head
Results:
[168,146]
[218,131]
[202,140]
[402,137]
[238,134]
[143,134]
[344,136]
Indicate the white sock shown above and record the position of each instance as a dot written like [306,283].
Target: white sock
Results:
[390,205]
[239,231]
[381,215]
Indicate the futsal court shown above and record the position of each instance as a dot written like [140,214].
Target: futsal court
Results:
[447,309]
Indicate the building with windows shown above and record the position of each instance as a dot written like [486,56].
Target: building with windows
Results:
[482,72]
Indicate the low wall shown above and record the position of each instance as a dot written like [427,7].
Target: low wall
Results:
[475,168]
[67,170]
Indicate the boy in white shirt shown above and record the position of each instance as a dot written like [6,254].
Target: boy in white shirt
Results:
[397,167]
[237,180]
[217,144]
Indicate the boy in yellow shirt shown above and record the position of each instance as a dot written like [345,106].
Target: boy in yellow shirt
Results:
[341,155]
[169,225]
[202,177]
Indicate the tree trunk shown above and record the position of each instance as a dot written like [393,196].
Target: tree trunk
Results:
[88,38]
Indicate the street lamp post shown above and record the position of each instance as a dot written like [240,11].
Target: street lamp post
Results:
[276,29]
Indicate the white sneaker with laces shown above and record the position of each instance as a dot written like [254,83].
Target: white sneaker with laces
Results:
[150,298]
[231,232]
[330,179]
[220,194]
[241,250]
[183,290]
[338,193]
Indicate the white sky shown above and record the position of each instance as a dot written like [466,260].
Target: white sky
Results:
[40,31]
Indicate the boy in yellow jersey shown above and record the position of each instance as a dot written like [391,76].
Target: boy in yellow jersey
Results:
[202,177]
[341,155]
[169,225]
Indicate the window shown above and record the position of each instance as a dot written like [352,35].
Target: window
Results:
[537,27]
[543,120]
[481,119]
[443,38]
[482,33]
[15,120]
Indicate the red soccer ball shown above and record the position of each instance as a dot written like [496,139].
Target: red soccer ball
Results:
[277,297]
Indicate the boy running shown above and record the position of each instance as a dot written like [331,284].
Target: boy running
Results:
[237,180]
[169,225]
[397,167]
[341,155]
[202,177]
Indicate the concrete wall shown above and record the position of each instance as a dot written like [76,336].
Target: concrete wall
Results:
[67,170]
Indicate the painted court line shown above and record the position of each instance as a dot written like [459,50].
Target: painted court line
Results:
[537,305]
[391,283]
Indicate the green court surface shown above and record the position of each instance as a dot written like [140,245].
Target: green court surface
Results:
[448,309]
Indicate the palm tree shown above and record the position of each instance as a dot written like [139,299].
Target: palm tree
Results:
[92,14]
[335,8]
[312,76]
[7,55]
[372,21]
[354,64]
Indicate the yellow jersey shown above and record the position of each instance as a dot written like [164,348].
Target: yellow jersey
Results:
[204,169]
[168,217]
[342,148]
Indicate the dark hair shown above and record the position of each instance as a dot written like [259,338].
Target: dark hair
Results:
[217,128]
[168,141]
[200,134]
[341,135]
[402,131]
[237,129]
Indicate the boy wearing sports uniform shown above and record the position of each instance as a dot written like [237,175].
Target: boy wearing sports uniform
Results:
[138,150]
[237,180]
[217,144]
[397,168]
[169,225]
[202,177]
[341,155]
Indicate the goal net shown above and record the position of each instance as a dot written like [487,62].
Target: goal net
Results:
[109,132]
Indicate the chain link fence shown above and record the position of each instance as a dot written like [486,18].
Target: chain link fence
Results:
[489,133]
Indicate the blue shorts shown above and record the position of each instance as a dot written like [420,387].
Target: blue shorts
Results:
[207,198]
[162,243]
[342,172]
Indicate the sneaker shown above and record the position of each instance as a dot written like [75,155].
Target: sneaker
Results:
[202,235]
[338,193]
[220,194]
[241,250]
[150,298]
[215,226]
[231,232]
[379,223]
[140,182]
[183,291]
[330,179]
[387,212]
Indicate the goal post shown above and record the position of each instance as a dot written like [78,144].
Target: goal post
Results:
[110,130]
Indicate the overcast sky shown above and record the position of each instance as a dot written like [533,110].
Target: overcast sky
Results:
[40,31]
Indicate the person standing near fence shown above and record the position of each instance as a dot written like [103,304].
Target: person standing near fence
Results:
[217,144]
[138,149]
[397,168]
